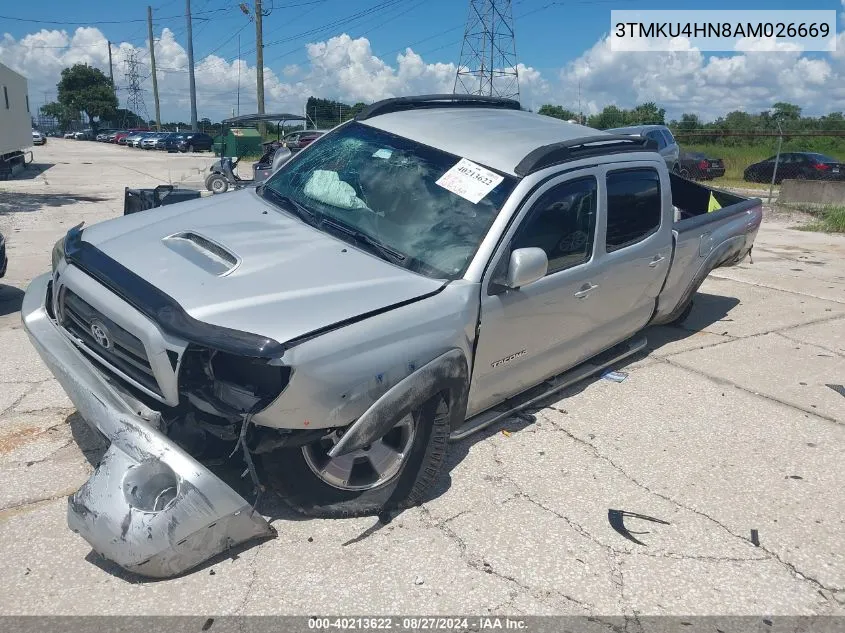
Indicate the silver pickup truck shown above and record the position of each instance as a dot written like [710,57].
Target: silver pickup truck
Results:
[413,276]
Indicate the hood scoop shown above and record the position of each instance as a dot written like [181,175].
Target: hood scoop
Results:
[203,252]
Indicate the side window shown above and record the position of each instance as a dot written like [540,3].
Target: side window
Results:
[667,135]
[657,137]
[634,207]
[562,222]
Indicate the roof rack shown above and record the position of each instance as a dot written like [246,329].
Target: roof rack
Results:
[398,104]
[557,153]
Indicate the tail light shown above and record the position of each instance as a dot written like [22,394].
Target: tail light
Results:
[702,164]
[822,166]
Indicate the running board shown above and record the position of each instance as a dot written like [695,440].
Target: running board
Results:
[549,387]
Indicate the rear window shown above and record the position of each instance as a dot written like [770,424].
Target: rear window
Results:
[822,158]
[634,207]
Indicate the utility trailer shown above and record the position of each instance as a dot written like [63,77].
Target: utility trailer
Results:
[15,123]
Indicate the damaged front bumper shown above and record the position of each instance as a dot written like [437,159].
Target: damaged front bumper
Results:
[149,506]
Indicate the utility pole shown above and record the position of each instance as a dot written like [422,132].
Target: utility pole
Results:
[192,81]
[153,66]
[239,75]
[259,63]
[111,70]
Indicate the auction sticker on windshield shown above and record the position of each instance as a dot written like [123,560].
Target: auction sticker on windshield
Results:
[469,180]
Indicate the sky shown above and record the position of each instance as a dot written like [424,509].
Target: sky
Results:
[364,50]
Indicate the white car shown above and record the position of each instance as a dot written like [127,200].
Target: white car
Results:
[38,138]
[69,135]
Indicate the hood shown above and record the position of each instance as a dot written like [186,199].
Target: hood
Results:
[237,261]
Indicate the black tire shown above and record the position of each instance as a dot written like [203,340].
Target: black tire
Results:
[685,173]
[288,472]
[216,183]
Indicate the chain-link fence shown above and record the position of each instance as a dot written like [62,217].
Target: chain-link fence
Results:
[761,159]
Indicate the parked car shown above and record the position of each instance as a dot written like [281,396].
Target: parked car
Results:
[464,219]
[113,135]
[121,137]
[300,139]
[149,141]
[660,134]
[796,166]
[69,135]
[84,135]
[135,139]
[38,138]
[4,260]
[699,166]
[193,142]
[103,134]
[161,141]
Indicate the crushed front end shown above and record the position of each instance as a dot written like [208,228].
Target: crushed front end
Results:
[151,506]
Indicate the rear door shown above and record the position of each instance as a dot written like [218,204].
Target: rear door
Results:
[635,247]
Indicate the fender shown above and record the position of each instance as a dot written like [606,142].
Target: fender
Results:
[714,260]
[448,372]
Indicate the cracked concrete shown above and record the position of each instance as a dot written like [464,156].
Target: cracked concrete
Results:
[726,426]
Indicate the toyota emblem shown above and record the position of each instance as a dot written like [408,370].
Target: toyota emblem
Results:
[101,334]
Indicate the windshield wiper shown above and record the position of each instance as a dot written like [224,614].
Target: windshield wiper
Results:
[289,204]
[386,252]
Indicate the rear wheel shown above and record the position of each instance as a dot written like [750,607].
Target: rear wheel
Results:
[393,472]
[216,183]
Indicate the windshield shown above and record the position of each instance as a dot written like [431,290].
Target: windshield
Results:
[381,192]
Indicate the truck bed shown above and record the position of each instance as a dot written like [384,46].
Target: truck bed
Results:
[703,241]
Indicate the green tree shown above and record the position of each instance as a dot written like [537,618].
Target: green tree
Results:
[558,112]
[786,111]
[63,115]
[83,88]
[646,113]
[611,116]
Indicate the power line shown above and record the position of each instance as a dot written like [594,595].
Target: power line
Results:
[98,22]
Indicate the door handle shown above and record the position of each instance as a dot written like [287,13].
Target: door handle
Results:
[657,259]
[586,289]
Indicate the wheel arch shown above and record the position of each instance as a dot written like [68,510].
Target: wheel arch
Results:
[446,374]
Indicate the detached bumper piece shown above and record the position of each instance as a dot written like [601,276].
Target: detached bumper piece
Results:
[149,506]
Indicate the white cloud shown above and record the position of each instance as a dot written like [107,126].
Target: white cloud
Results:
[710,85]
[345,68]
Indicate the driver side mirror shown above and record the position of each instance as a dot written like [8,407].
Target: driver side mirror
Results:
[526,266]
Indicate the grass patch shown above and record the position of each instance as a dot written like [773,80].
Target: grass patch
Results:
[828,219]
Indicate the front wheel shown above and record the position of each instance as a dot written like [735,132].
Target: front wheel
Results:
[393,472]
[216,183]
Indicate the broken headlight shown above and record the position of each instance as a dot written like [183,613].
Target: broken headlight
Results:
[229,383]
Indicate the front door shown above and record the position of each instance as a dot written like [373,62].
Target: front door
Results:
[528,334]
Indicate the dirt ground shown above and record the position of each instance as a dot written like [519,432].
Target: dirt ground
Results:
[730,432]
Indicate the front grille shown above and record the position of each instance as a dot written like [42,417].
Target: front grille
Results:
[124,351]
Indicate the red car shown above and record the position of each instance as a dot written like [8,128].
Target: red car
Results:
[120,139]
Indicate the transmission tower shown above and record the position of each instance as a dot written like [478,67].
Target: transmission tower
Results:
[135,94]
[488,54]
